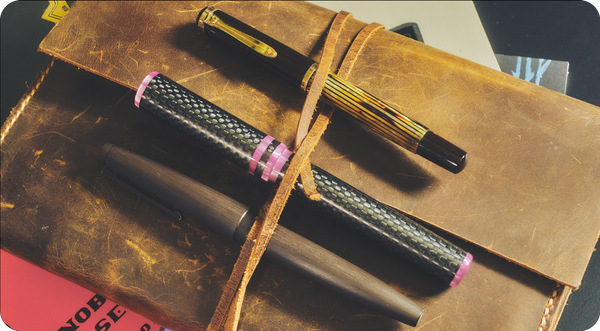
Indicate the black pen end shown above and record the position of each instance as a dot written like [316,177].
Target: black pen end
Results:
[442,152]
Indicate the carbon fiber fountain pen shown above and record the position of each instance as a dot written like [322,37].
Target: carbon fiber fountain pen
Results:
[298,70]
[268,159]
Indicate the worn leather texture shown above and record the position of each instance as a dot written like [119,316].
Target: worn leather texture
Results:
[61,214]
[528,195]
[529,192]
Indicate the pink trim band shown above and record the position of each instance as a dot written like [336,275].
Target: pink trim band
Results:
[142,88]
[260,150]
[279,164]
[272,160]
[462,270]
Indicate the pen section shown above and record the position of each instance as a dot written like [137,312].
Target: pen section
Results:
[238,142]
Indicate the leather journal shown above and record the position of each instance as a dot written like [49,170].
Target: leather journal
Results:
[525,206]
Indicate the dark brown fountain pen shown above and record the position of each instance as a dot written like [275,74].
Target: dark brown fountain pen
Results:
[298,70]
[177,192]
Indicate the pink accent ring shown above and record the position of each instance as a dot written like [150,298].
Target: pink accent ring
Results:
[260,150]
[462,270]
[279,164]
[142,88]
[272,160]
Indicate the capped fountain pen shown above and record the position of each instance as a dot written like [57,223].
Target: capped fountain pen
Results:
[298,70]
[228,217]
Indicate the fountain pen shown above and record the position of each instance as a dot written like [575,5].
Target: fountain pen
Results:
[298,70]
[177,192]
[266,158]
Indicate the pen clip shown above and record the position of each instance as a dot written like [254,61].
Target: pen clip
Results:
[115,177]
[208,17]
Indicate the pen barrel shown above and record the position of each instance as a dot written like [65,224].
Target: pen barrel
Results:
[332,271]
[392,124]
[375,113]
[232,219]
[246,146]
[277,57]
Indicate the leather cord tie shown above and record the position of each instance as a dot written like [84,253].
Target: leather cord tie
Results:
[229,308]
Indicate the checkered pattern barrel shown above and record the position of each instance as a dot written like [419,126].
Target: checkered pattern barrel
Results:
[239,142]
[266,158]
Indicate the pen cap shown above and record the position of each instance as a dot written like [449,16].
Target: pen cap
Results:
[281,59]
[170,188]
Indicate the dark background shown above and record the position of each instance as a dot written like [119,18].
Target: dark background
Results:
[556,30]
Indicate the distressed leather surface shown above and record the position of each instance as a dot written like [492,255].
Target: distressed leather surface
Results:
[528,194]
[61,214]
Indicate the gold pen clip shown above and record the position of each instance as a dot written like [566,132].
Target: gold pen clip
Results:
[208,17]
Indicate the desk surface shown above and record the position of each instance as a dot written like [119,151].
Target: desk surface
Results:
[566,31]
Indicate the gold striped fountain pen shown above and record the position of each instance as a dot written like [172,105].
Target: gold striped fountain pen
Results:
[298,70]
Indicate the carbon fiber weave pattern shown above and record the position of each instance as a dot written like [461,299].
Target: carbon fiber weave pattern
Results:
[237,141]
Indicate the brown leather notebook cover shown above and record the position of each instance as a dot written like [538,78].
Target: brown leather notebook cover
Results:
[527,194]
[61,214]
[532,157]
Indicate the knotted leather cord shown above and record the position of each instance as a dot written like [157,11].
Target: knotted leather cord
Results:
[229,307]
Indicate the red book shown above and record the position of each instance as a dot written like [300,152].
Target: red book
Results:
[32,299]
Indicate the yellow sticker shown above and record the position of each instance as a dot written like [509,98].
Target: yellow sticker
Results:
[55,11]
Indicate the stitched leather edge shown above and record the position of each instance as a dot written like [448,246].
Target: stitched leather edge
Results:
[554,307]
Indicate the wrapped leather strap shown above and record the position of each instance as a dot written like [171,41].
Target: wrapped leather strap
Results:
[320,76]
[229,307]
[313,95]
[356,47]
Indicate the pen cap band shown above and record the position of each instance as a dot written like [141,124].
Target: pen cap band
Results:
[142,88]
[462,270]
